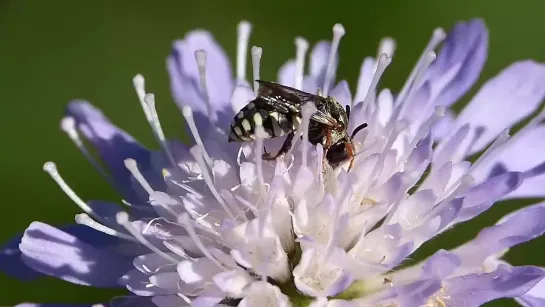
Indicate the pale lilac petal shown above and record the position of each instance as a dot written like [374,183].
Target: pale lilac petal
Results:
[140,284]
[318,66]
[484,287]
[367,71]
[509,97]
[286,74]
[341,92]
[242,95]
[518,227]
[169,301]
[57,253]
[535,297]
[441,264]
[481,197]
[114,146]
[183,67]
[459,62]
[525,152]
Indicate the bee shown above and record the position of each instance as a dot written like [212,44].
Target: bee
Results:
[277,108]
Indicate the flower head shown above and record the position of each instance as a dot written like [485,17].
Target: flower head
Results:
[214,223]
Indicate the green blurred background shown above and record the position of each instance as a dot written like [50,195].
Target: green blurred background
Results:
[53,51]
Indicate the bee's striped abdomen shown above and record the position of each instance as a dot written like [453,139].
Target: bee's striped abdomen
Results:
[274,123]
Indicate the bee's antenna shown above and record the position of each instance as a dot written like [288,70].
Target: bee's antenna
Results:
[348,112]
[358,129]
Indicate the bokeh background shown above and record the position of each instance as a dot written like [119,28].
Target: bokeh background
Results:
[53,51]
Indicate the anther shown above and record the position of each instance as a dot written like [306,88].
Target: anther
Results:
[244,30]
[387,46]
[257,52]
[301,47]
[338,33]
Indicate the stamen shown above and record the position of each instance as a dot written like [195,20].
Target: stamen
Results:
[256,62]
[243,37]
[185,222]
[425,127]
[197,153]
[68,125]
[338,33]
[418,81]
[260,135]
[301,46]
[307,111]
[502,139]
[122,219]
[132,167]
[200,57]
[149,100]
[187,112]
[51,169]
[387,46]
[383,61]
[437,37]
[84,219]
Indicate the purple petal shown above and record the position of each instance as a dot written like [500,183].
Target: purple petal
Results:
[60,305]
[505,282]
[518,227]
[10,255]
[525,153]
[318,66]
[460,61]
[11,263]
[481,197]
[140,284]
[286,74]
[441,264]
[510,96]
[114,146]
[535,297]
[54,252]
[367,71]
[185,81]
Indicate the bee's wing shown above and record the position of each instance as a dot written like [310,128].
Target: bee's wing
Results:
[324,118]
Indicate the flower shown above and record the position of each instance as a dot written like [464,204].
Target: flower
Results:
[213,223]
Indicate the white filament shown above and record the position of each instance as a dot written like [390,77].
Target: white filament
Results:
[187,112]
[84,219]
[257,52]
[185,221]
[301,46]
[149,99]
[68,125]
[200,57]
[338,33]
[243,37]
[51,169]
[122,219]
[437,37]
[197,153]
[500,140]
[383,61]
[260,135]
[308,110]
[132,167]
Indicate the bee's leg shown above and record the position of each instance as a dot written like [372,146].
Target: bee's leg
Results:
[286,146]
[326,145]
[351,153]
